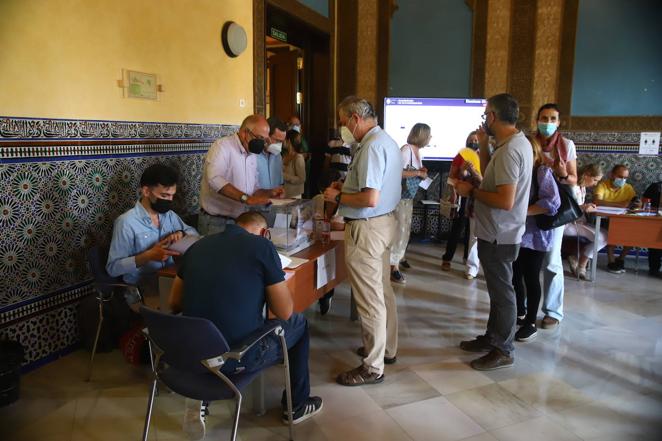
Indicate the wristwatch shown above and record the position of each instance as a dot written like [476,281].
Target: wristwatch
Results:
[338,198]
[243,198]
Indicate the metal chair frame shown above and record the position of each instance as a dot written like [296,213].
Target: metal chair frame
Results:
[214,365]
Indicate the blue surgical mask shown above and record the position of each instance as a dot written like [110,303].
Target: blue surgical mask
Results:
[473,145]
[547,129]
[619,182]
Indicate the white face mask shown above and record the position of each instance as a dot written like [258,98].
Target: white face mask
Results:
[296,128]
[347,136]
[275,148]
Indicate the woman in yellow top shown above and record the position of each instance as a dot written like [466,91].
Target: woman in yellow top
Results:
[465,166]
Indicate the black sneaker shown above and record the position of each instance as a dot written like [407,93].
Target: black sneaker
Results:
[526,333]
[495,359]
[325,305]
[312,406]
[398,277]
[520,320]
[405,264]
[479,344]
[615,268]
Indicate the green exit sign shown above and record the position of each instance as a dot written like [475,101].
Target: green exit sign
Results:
[278,34]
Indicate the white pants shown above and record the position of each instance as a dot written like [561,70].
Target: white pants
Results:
[403,213]
[586,231]
[553,282]
[473,264]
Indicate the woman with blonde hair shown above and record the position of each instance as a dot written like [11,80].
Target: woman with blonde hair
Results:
[588,176]
[412,174]
[543,199]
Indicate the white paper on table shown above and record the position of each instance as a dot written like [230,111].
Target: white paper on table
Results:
[425,183]
[338,235]
[326,268]
[429,202]
[184,243]
[296,262]
[281,221]
[278,202]
[610,210]
[284,261]
[649,143]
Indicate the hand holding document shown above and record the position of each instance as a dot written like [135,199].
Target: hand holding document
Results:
[184,243]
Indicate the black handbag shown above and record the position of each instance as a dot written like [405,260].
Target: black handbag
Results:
[569,210]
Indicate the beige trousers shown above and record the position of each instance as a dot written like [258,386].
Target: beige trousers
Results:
[367,252]
[403,213]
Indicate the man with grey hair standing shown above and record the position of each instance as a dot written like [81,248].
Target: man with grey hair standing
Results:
[367,198]
[501,204]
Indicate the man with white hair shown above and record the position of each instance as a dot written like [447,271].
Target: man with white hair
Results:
[367,199]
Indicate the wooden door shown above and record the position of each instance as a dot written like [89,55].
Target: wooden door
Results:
[283,84]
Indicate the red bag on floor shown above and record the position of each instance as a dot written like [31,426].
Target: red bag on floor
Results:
[134,346]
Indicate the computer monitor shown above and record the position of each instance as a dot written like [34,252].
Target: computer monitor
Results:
[450,119]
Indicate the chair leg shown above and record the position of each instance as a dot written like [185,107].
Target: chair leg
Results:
[235,426]
[150,404]
[288,386]
[96,341]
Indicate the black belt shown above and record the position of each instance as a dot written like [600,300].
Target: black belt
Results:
[351,219]
[202,210]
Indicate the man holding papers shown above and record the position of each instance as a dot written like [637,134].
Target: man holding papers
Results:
[142,235]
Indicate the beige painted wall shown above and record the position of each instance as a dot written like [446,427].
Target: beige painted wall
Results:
[62,59]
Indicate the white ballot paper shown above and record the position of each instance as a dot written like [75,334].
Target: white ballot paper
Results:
[326,268]
[284,261]
[278,202]
[610,210]
[184,243]
[425,183]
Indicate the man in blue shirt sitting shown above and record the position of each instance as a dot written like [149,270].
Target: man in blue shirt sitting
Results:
[228,278]
[141,236]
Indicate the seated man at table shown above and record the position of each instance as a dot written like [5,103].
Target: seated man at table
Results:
[246,273]
[615,192]
[141,236]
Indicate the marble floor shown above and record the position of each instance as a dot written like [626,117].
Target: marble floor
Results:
[597,377]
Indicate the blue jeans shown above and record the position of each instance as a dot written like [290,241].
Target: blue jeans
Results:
[553,278]
[268,352]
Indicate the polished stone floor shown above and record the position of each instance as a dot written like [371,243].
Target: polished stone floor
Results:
[597,377]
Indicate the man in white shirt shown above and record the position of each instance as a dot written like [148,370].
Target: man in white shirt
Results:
[229,178]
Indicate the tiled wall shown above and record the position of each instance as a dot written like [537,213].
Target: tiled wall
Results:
[62,183]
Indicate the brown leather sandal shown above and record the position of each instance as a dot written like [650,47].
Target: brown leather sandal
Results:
[358,377]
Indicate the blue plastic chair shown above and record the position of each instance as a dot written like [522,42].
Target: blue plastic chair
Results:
[189,354]
[104,286]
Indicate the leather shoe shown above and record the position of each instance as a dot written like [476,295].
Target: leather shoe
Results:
[387,360]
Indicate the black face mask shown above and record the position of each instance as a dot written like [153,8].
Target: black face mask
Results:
[487,129]
[256,146]
[472,145]
[161,205]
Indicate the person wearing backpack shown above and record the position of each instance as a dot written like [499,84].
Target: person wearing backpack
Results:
[536,243]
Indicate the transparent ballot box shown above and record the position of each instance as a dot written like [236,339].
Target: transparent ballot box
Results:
[291,224]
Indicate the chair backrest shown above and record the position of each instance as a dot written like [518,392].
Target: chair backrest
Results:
[185,341]
[96,262]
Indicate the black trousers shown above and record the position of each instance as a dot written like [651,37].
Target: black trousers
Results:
[526,281]
[654,260]
[459,226]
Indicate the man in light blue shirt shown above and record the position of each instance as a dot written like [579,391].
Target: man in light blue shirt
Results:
[142,234]
[270,162]
[367,199]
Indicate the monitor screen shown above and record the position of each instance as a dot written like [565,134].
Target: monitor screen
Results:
[450,119]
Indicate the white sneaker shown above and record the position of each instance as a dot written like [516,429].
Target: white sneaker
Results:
[194,419]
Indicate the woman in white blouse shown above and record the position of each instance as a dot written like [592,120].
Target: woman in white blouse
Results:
[589,176]
[294,165]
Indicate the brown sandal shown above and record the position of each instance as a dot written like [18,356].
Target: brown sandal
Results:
[358,377]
